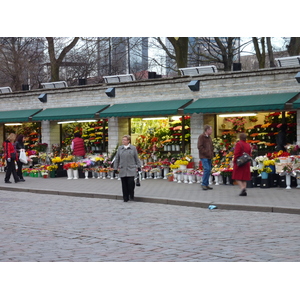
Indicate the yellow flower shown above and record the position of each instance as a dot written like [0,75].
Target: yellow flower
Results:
[56,160]
[174,166]
[269,162]
[181,162]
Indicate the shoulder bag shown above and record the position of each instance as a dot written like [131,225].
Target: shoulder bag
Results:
[242,160]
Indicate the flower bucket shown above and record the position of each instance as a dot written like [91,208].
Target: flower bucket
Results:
[70,173]
[272,167]
[170,178]
[264,175]
[76,175]
[52,174]
[182,167]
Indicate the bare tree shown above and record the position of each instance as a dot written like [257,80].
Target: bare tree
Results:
[56,63]
[179,53]
[21,61]
[203,50]
[217,50]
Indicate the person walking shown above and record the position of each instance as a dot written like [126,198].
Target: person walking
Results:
[19,145]
[10,155]
[241,173]
[77,146]
[206,153]
[127,162]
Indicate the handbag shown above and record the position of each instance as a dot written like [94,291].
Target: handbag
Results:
[138,179]
[23,157]
[242,160]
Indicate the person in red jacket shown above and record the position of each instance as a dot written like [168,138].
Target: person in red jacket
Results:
[78,146]
[10,155]
[241,173]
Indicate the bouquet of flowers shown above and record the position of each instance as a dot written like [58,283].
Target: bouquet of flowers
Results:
[71,165]
[218,144]
[292,148]
[269,162]
[52,168]
[261,159]
[181,162]
[226,172]
[264,169]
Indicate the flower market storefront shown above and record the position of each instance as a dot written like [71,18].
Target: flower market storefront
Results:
[165,139]
[261,117]
[63,122]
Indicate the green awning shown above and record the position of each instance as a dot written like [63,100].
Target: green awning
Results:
[142,109]
[268,102]
[296,104]
[69,113]
[17,115]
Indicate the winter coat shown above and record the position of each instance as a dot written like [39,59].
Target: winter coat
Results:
[9,150]
[205,146]
[243,172]
[78,147]
[19,146]
[127,161]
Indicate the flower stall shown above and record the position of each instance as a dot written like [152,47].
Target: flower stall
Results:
[95,135]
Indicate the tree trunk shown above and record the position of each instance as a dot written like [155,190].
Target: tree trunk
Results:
[261,56]
[270,52]
[55,63]
[294,47]
[181,50]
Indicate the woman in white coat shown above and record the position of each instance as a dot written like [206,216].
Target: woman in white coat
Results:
[127,163]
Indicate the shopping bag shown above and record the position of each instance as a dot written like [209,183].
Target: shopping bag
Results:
[23,157]
[138,179]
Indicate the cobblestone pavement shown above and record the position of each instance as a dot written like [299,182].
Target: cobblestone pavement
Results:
[46,228]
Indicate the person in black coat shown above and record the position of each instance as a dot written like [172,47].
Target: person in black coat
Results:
[281,138]
[19,144]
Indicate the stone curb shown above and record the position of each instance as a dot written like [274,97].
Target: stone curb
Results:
[162,201]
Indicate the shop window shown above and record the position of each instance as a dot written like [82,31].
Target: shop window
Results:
[95,135]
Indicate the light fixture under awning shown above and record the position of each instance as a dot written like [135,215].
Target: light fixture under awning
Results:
[269,102]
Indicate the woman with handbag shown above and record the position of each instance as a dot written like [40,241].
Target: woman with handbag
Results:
[10,155]
[127,162]
[19,144]
[241,173]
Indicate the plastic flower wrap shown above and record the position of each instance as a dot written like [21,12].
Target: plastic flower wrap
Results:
[288,169]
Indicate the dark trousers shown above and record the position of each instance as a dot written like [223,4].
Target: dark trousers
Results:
[19,171]
[11,169]
[128,186]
